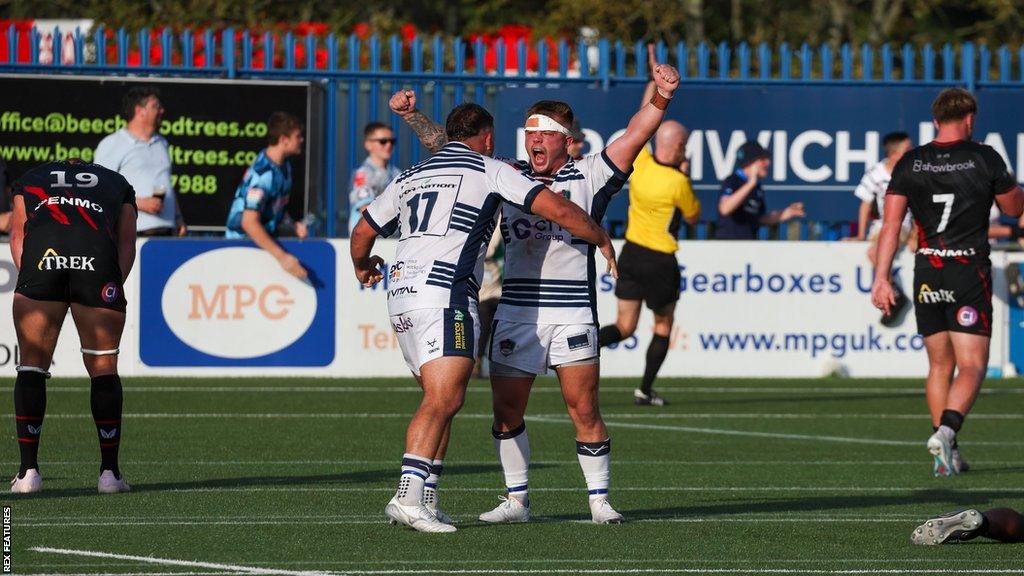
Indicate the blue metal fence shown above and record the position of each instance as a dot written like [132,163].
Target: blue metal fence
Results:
[358,74]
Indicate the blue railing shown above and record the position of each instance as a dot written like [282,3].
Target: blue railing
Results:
[231,53]
[358,74]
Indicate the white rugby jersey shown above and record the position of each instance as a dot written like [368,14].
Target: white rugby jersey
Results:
[445,209]
[872,188]
[551,277]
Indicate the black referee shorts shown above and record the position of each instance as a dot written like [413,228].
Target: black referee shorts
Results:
[956,297]
[647,275]
[61,272]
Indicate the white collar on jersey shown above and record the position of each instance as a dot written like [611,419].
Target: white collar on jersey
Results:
[541,123]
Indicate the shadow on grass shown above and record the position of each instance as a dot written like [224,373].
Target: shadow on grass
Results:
[942,500]
[362,477]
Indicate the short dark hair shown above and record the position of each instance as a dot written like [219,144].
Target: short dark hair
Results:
[467,120]
[560,111]
[892,139]
[953,104]
[137,96]
[280,125]
[373,127]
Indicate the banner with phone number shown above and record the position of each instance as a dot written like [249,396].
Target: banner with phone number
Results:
[214,130]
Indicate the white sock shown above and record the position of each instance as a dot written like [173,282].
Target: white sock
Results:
[415,470]
[430,486]
[948,432]
[513,449]
[595,461]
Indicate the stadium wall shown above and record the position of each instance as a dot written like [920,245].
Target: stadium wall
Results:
[747,309]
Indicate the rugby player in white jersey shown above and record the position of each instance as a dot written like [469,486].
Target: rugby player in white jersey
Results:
[445,209]
[547,317]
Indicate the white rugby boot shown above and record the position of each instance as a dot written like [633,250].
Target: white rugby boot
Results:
[960,465]
[415,516]
[110,484]
[941,446]
[430,500]
[30,484]
[601,512]
[510,510]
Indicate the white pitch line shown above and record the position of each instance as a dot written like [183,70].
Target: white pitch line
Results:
[171,562]
[617,462]
[589,571]
[278,572]
[488,415]
[408,562]
[238,569]
[777,435]
[129,573]
[542,389]
[381,521]
[492,489]
[560,419]
[695,571]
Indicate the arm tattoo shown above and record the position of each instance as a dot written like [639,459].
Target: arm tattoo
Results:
[431,134]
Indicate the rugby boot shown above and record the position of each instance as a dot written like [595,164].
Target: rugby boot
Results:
[953,527]
[30,483]
[510,510]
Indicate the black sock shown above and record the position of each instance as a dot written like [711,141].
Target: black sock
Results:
[952,418]
[106,413]
[608,335]
[656,352]
[29,409]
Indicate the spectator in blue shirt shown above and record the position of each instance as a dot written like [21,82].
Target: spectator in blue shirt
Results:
[376,172]
[741,204]
[261,200]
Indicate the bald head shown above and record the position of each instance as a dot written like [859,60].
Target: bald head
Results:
[670,142]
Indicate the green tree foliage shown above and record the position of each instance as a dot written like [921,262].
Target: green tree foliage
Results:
[993,22]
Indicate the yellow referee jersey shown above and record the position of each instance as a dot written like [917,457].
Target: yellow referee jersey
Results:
[657,193]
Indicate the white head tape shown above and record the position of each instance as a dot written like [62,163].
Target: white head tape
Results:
[542,123]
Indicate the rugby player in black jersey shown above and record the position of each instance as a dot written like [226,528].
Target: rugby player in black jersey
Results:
[949,185]
[73,241]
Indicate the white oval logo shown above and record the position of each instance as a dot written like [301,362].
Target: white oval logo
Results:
[237,303]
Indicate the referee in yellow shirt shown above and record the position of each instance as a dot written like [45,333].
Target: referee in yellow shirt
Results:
[660,196]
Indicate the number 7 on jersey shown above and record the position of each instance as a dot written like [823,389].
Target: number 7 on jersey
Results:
[946,199]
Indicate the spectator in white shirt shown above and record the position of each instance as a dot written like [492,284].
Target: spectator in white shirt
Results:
[140,154]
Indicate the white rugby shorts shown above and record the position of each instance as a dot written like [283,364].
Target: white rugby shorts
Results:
[534,347]
[430,333]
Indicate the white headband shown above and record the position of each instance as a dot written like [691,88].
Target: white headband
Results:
[542,123]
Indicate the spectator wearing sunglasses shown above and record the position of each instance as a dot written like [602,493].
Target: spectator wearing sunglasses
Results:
[376,171]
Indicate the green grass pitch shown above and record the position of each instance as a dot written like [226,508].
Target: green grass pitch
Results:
[288,476]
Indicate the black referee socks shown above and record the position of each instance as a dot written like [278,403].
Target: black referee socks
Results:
[29,409]
[107,400]
[656,352]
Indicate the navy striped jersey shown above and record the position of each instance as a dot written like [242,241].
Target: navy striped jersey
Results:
[445,211]
[551,277]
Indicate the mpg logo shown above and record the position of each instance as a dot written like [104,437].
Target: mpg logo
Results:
[212,303]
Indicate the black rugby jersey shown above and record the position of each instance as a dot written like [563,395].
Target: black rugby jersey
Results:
[73,199]
[950,187]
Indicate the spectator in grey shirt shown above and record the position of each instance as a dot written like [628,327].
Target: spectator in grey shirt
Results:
[140,154]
